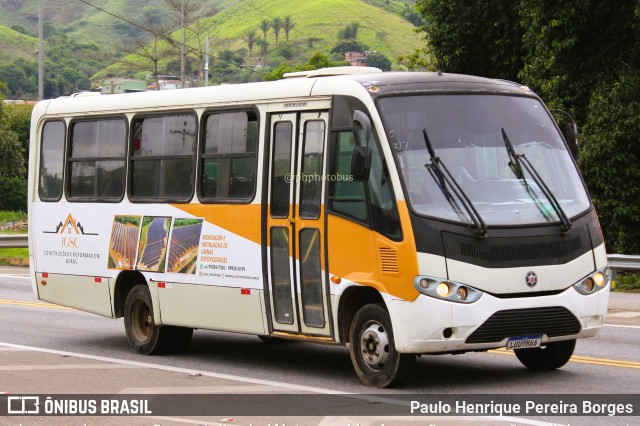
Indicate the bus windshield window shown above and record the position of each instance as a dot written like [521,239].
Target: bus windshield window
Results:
[466,134]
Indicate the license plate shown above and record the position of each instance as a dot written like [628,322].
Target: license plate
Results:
[524,342]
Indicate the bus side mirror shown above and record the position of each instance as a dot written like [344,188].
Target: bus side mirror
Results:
[360,163]
[362,123]
[361,155]
[569,129]
[571,133]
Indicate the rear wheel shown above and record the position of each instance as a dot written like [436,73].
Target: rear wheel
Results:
[143,334]
[373,351]
[550,357]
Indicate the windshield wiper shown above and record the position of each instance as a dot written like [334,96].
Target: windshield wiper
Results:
[516,163]
[443,178]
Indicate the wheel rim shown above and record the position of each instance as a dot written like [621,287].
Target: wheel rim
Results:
[375,345]
[142,321]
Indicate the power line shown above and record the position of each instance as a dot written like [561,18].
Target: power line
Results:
[163,36]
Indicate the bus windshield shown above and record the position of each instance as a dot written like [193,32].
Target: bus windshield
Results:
[466,133]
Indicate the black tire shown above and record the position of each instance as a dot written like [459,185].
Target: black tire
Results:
[550,357]
[373,352]
[143,334]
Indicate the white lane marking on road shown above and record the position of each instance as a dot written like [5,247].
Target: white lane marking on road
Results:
[192,390]
[625,314]
[622,326]
[179,370]
[288,386]
[420,420]
[63,367]
[20,277]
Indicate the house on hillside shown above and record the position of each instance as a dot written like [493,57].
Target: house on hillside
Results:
[357,59]
[122,85]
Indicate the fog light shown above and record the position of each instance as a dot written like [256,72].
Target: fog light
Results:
[588,285]
[598,278]
[424,283]
[462,293]
[443,289]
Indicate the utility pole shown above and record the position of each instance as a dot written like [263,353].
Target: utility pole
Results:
[206,62]
[182,44]
[40,53]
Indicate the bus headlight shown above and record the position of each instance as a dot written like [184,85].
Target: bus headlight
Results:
[443,290]
[446,290]
[594,283]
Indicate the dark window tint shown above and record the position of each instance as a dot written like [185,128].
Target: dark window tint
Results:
[311,278]
[384,213]
[162,158]
[281,174]
[372,204]
[51,161]
[97,159]
[312,170]
[228,166]
[347,196]
[281,275]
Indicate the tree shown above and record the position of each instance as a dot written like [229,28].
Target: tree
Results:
[350,31]
[264,26]
[581,56]
[379,60]
[145,54]
[287,26]
[316,61]
[13,183]
[611,160]
[480,38]
[251,38]
[18,119]
[276,24]
[11,160]
[264,45]
[348,45]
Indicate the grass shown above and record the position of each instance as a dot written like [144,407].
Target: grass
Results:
[627,281]
[13,256]
[10,216]
[13,43]
[380,29]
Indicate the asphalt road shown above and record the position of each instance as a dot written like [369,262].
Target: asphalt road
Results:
[33,333]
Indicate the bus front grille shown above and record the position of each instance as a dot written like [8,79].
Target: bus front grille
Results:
[553,321]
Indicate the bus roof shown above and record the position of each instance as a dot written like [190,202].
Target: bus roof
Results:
[319,84]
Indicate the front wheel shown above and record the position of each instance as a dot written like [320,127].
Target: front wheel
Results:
[373,351]
[143,334]
[550,357]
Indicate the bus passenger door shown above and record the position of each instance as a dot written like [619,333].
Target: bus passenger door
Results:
[295,224]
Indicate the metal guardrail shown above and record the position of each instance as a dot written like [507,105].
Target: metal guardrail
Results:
[624,262]
[618,262]
[14,241]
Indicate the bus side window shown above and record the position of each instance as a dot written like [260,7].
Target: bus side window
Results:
[51,161]
[97,160]
[347,196]
[163,151]
[384,213]
[228,163]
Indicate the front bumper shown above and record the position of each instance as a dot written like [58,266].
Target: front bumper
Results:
[430,325]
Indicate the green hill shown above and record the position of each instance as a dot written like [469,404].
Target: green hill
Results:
[112,27]
[17,45]
[317,25]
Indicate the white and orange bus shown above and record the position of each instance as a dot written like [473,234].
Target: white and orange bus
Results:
[396,213]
